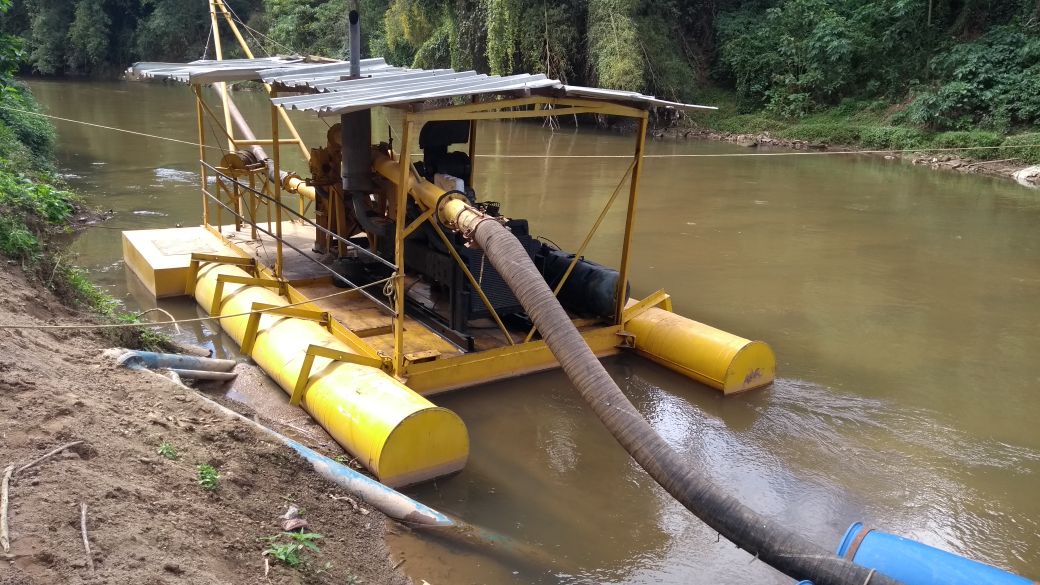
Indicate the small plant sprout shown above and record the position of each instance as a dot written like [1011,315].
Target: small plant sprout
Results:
[287,547]
[208,477]
[167,450]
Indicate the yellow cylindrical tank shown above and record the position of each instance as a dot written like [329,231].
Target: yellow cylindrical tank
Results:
[401,437]
[711,356]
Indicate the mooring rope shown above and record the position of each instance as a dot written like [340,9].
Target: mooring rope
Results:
[679,155]
[750,154]
[198,319]
[102,126]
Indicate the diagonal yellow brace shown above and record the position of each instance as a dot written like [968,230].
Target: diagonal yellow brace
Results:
[253,325]
[198,258]
[419,221]
[333,354]
[218,289]
[652,300]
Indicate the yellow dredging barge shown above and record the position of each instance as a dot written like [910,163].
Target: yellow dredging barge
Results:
[362,289]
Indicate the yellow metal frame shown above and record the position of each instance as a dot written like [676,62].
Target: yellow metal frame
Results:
[333,354]
[423,373]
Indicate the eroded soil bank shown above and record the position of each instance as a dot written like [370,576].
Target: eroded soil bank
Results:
[149,521]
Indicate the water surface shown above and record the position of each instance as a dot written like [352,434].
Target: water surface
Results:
[902,304]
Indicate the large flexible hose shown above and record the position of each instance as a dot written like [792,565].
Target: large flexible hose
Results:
[781,548]
[785,550]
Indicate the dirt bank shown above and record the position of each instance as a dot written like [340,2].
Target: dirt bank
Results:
[1012,169]
[149,520]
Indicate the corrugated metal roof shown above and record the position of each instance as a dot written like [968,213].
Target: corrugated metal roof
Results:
[331,92]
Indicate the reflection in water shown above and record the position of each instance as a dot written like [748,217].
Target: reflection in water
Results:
[901,302]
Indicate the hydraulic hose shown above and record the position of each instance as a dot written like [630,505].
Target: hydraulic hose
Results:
[783,549]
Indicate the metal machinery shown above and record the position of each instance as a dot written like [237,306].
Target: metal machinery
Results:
[383,296]
[449,302]
[420,309]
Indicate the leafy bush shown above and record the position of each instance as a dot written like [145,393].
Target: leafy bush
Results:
[19,194]
[16,240]
[992,82]
[798,55]
[1023,146]
[748,124]
[35,132]
[287,547]
[207,477]
[829,133]
[892,138]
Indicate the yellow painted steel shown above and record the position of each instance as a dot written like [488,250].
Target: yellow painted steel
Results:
[399,436]
[721,360]
[482,367]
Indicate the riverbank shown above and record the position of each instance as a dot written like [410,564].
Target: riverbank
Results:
[142,437]
[173,492]
[869,127]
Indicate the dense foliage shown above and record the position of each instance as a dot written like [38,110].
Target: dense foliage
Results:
[962,63]
[941,64]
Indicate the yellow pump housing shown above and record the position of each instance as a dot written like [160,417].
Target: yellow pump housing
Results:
[401,437]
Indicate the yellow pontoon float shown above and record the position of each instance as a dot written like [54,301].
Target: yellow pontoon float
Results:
[370,290]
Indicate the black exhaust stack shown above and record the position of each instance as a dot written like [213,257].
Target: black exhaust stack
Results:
[356,127]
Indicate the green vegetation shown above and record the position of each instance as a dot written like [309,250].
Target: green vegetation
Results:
[288,547]
[167,450]
[34,208]
[207,477]
[876,73]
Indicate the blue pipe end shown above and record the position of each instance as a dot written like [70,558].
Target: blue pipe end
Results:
[914,563]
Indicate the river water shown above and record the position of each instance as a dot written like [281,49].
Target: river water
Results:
[903,305]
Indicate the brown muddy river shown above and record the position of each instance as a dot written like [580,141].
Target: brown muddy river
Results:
[903,304]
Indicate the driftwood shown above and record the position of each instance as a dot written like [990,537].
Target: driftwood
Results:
[5,539]
[48,454]
[86,541]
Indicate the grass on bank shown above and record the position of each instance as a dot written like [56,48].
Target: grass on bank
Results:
[865,124]
[34,213]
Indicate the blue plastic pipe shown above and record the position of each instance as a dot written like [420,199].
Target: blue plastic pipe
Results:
[914,563]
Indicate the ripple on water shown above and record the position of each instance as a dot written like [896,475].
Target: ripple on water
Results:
[900,469]
[165,175]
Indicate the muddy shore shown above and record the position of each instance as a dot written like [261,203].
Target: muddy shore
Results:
[149,520]
[1026,175]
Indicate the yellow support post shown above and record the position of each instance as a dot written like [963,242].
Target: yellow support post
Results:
[218,289]
[633,197]
[585,243]
[277,189]
[198,258]
[659,298]
[401,197]
[253,324]
[223,85]
[249,53]
[202,151]
[333,354]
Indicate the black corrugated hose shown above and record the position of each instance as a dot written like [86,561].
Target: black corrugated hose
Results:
[783,549]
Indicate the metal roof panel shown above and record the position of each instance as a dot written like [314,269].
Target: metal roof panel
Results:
[382,85]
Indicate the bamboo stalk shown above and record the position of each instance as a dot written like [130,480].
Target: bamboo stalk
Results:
[83,530]
[48,454]
[5,539]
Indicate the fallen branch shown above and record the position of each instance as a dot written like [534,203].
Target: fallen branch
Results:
[48,454]
[5,539]
[86,541]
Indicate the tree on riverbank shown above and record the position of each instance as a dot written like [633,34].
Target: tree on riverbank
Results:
[923,65]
